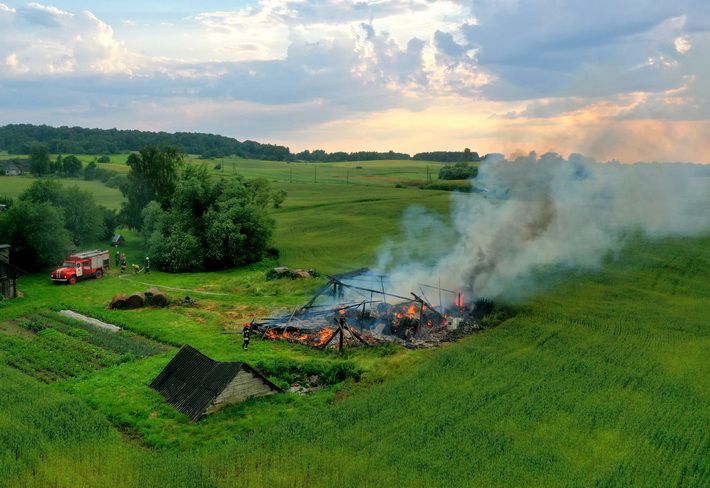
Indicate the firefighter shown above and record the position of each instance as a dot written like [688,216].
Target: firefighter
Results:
[124,263]
[246,331]
[118,259]
[147,265]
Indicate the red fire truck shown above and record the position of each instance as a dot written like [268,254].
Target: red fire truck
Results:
[89,264]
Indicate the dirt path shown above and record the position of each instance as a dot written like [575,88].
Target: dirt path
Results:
[89,320]
[127,278]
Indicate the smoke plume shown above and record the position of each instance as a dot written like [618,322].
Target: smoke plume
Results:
[533,216]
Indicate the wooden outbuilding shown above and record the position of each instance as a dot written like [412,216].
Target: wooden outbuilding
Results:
[118,240]
[8,273]
[197,385]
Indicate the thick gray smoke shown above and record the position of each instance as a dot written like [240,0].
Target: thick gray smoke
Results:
[536,215]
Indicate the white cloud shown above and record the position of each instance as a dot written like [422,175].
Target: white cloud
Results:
[45,40]
[682,44]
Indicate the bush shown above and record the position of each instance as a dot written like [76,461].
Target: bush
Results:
[459,171]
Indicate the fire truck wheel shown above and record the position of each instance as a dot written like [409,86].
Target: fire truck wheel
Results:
[72,280]
[99,274]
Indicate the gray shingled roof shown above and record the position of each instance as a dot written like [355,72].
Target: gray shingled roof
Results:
[191,380]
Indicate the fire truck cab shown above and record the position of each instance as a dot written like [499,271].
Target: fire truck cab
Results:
[89,264]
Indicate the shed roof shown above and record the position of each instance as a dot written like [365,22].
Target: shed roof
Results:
[192,381]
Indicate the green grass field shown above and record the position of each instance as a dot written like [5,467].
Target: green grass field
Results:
[602,380]
[13,186]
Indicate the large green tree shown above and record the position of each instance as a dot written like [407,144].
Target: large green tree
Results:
[36,233]
[153,175]
[71,166]
[210,225]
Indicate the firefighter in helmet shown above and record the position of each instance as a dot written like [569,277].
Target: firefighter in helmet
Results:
[246,332]
[118,259]
[124,263]
[147,265]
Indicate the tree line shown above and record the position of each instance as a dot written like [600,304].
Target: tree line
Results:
[22,138]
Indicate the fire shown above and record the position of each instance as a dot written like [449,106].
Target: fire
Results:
[458,301]
[317,338]
[412,310]
[341,311]
[323,335]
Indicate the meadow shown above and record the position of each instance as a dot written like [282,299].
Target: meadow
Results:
[600,380]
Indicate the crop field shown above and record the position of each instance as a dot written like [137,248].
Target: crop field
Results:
[601,380]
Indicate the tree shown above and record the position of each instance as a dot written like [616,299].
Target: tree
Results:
[153,176]
[57,166]
[110,219]
[209,225]
[36,232]
[104,159]
[39,160]
[71,166]
[151,215]
[82,218]
[90,171]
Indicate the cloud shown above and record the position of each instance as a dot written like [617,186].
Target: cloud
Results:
[45,40]
[516,73]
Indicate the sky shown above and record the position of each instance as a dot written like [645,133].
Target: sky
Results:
[626,80]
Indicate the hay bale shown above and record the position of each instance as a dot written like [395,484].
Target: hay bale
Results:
[135,300]
[156,298]
[300,274]
[159,299]
[118,302]
[278,272]
[151,291]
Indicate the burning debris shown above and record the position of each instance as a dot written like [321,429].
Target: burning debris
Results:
[349,310]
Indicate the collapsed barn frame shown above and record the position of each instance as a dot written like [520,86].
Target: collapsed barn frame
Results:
[358,308]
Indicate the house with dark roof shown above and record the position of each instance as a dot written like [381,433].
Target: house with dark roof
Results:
[197,385]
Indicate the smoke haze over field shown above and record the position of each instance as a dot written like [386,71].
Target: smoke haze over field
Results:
[540,214]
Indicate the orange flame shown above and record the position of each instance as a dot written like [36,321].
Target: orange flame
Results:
[317,338]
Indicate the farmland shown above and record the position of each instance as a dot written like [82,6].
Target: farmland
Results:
[600,380]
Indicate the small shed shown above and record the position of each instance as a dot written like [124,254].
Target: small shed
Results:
[196,385]
[8,273]
[117,240]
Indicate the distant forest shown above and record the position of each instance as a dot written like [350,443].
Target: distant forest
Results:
[21,138]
